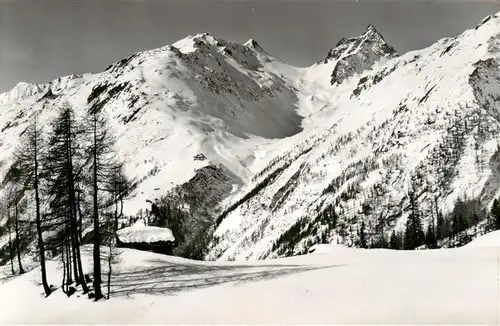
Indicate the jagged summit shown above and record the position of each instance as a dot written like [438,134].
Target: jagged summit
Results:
[370,35]
[254,45]
[371,28]
[356,54]
[250,42]
[372,32]
[192,43]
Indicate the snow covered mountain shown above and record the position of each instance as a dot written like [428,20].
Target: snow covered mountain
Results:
[426,123]
[351,134]
[199,98]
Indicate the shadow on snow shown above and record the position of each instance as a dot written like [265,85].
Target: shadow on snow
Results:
[170,278]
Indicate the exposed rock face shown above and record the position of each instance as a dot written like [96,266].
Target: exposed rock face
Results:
[355,55]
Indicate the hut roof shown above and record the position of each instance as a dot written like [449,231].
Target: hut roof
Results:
[146,234]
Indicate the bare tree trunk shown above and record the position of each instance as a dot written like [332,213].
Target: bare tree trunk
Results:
[63,285]
[79,275]
[80,227]
[41,246]
[73,242]
[73,253]
[41,249]
[97,231]
[121,207]
[115,220]
[11,248]
[112,236]
[110,263]
[69,278]
[18,244]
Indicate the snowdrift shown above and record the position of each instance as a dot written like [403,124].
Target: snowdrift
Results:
[491,239]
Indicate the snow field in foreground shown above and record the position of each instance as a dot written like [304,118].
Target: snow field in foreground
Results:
[335,285]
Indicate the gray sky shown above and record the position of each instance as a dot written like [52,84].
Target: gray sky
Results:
[42,40]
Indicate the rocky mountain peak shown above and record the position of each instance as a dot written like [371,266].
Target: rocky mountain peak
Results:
[254,45]
[356,54]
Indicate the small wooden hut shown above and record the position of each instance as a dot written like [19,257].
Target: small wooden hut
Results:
[146,238]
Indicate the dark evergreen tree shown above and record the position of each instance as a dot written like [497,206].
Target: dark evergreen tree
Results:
[430,236]
[395,241]
[475,222]
[495,214]
[457,224]
[463,214]
[440,233]
[102,167]
[362,236]
[28,158]
[63,165]
[414,234]
[380,241]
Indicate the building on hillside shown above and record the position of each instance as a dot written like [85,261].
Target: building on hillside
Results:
[146,238]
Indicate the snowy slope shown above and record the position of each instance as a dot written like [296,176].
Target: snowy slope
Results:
[426,121]
[491,239]
[344,286]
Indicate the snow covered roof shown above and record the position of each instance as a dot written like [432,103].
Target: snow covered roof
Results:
[146,234]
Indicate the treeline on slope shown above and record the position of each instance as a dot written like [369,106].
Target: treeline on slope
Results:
[317,230]
[252,193]
[455,229]
[66,181]
[20,234]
